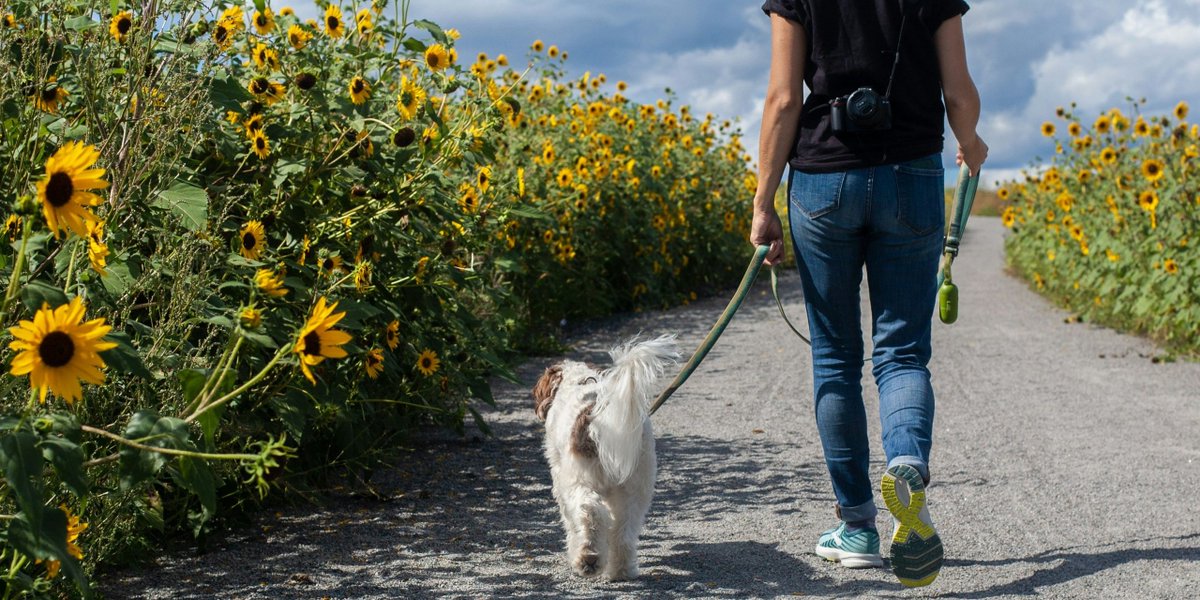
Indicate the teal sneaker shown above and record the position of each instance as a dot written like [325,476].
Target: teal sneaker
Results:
[854,549]
[916,548]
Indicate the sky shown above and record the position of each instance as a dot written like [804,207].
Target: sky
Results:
[1027,56]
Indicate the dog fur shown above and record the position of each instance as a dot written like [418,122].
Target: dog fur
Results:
[600,447]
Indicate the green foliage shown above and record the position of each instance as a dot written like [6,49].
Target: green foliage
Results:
[302,247]
[1108,229]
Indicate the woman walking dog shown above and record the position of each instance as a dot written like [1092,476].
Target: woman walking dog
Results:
[865,187]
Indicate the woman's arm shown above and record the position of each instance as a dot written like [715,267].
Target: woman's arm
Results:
[962,98]
[781,116]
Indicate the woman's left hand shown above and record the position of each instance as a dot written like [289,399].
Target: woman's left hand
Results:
[767,230]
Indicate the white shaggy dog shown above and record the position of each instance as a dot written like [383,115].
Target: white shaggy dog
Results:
[601,451]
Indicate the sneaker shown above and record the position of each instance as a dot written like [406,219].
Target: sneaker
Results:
[854,549]
[916,548]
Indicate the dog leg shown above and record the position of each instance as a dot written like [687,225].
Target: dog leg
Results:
[588,518]
[629,507]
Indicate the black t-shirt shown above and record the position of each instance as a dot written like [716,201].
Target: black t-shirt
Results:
[851,44]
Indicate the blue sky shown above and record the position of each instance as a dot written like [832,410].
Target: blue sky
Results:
[1027,56]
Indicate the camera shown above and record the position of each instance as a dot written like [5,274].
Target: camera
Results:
[863,110]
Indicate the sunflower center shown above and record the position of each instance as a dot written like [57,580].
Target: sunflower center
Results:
[312,344]
[56,349]
[59,189]
[123,26]
[259,86]
[220,34]
[260,143]
[358,86]
[328,264]
[50,95]
[434,61]
[261,21]
[332,22]
[248,241]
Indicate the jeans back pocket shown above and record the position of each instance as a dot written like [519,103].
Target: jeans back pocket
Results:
[815,194]
[921,196]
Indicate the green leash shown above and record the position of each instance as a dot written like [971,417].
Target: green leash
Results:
[947,292]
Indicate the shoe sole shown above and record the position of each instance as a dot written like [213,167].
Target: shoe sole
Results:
[917,552]
[850,560]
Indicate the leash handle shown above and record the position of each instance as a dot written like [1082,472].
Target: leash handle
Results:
[710,340]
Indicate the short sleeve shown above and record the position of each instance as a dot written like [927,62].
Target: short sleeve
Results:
[935,12]
[793,10]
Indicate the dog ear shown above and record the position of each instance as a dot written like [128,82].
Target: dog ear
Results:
[544,390]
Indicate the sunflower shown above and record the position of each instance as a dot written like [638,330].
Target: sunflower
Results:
[1141,128]
[1077,232]
[305,245]
[330,265]
[251,238]
[1009,217]
[250,317]
[362,277]
[427,362]
[1152,169]
[286,11]
[97,249]
[537,46]
[404,137]
[1108,155]
[1102,125]
[411,98]
[253,125]
[266,90]
[564,177]
[318,340]
[334,27]
[1148,200]
[298,36]
[548,153]
[265,59]
[270,283]
[49,97]
[552,52]
[223,34]
[363,22]
[13,227]
[1171,267]
[1074,129]
[1112,256]
[1181,111]
[484,179]
[57,350]
[1065,201]
[75,526]
[373,362]
[264,21]
[10,21]
[120,25]
[436,57]
[360,90]
[521,182]
[469,200]
[391,334]
[65,191]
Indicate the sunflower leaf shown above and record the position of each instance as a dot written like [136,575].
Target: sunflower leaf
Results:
[67,458]
[433,30]
[37,293]
[188,201]
[197,477]
[45,537]
[124,358]
[21,461]
[260,5]
[414,45]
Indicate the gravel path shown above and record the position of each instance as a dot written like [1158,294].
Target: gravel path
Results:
[1066,465]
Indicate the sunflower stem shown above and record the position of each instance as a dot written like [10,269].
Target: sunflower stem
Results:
[245,386]
[168,451]
[214,380]
[18,266]
[70,273]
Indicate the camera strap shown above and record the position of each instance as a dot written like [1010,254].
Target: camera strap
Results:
[904,10]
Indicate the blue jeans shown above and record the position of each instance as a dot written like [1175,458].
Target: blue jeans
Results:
[891,219]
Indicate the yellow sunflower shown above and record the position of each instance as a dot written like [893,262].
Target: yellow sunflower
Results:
[436,57]
[235,16]
[360,90]
[270,283]
[266,90]
[120,25]
[411,98]
[564,177]
[318,340]
[362,277]
[252,239]
[265,59]
[1108,155]
[484,179]
[334,27]
[373,362]
[65,192]
[286,11]
[250,317]
[298,36]
[264,21]
[97,249]
[1102,125]
[1141,128]
[391,334]
[254,125]
[1152,169]
[468,199]
[260,145]
[1148,200]
[49,97]
[1077,232]
[1171,267]
[552,52]
[1009,217]
[75,526]
[537,46]
[1074,129]
[223,33]
[363,22]
[57,350]
[14,226]
[427,362]
[331,264]
[1181,111]
[10,21]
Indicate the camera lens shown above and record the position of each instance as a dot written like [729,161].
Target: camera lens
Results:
[863,105]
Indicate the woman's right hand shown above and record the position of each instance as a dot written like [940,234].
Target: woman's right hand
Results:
[974,154]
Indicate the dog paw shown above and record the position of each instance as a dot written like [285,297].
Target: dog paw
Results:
[625,574]
[587,564]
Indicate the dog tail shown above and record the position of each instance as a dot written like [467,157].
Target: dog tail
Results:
[624,402]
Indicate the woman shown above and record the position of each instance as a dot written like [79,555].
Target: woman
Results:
[865,188]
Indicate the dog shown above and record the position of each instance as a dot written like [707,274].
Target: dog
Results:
[600,447]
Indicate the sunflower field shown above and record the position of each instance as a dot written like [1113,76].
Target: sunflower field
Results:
[249,252]
[1109,228]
